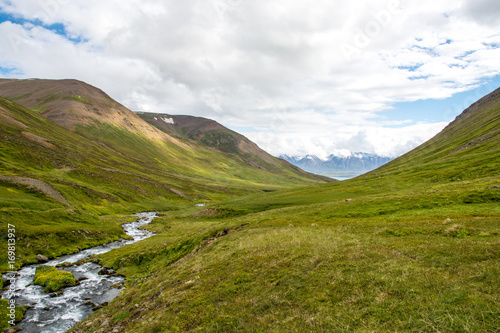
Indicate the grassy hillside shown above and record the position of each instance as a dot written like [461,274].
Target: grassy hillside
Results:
[58,181]
[210,134]
[413,246]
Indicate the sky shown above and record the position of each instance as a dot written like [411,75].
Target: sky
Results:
[296,77]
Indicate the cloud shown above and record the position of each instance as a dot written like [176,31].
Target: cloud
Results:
[306,77]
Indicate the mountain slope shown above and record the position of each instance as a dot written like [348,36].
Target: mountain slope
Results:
[70,103]
[466,149]
[412,246]
[213,135]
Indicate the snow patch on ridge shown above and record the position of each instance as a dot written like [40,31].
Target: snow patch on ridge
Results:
[168,120]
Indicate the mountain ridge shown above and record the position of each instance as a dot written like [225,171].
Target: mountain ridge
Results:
[90,112]
[70,103]
[355,164]
[214,135]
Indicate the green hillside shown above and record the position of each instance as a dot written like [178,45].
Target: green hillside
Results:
[413,246]
[77,157]
[212,135]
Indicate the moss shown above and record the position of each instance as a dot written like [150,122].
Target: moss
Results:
[4,314]
[53,279]
[79,99]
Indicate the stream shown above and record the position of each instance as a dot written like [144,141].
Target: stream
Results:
[57,314]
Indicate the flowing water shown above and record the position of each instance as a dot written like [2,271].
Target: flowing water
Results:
[58,314]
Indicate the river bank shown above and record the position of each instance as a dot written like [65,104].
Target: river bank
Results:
[97,286]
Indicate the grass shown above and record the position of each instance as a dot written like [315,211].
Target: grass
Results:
[300,270]
[78,98]
[53,279]
[5,317]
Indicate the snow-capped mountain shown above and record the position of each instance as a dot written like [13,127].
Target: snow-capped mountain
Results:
[333,165]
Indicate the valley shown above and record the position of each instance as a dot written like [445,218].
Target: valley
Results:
[413,245]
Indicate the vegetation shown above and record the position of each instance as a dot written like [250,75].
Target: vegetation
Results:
[412,246]
[5,312]
[79,98]
[53,279]
[102,171]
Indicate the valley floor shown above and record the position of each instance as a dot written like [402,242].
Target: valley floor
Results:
[407,261]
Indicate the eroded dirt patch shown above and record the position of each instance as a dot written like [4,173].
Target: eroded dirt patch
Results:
[38,185]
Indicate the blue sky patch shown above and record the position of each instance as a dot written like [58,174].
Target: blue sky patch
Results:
[57,28]
[10,71]
[440,110]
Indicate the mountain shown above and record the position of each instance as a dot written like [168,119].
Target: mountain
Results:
[212,135]
[90,112]
[410,246]
[72,103]
[355,164]
[69,154]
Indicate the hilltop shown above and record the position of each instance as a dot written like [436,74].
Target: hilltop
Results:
[410,246]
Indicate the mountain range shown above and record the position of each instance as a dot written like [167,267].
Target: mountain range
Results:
[338,166]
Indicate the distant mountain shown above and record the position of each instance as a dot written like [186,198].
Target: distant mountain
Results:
[356,164]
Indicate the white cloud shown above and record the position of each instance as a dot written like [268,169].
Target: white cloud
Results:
[309,77]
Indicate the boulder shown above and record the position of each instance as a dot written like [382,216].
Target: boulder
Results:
[41,258]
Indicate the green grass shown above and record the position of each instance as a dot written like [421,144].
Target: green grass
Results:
[78,98]
[5,314]
[53,279]
[300,270]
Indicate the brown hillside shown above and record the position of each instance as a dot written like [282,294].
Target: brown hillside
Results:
[70,103]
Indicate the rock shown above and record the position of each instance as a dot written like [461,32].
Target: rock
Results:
[103,271]
[97,307]
[56,294]
[41,258]
[496,187]
[224,232]
[348,200]
[82,278]
[89,302]
[12,329]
